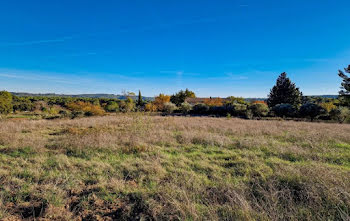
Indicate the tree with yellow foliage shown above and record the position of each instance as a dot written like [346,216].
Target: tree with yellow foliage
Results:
[160,100]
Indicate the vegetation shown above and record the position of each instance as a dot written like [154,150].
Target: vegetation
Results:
[345,86]
[122,164]
[284,92]
[5,102]
[138,167]
[181,96]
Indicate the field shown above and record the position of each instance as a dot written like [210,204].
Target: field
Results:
[135,166]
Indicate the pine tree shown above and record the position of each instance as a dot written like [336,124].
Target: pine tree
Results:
[284,92]
[140,101]
[345,86]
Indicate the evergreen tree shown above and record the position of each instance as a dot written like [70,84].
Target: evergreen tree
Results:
[345,86]
[181,96]
[284,92]
[140,101]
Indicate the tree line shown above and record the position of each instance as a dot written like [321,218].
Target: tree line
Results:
[284,100]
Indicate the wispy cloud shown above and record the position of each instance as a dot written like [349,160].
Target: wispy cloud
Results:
[230,76]
[43,41]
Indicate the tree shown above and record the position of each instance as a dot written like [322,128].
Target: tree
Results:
[340,114]
[185,108]
[5,102]
[140,101]
[259,109]
[345,86]
[235,100]
[311,110]
[284,110]
[181,96]
[284,92]
[169,107]
[160,100]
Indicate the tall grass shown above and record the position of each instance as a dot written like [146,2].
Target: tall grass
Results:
[173,168]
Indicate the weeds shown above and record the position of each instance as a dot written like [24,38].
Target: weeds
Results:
[135,166]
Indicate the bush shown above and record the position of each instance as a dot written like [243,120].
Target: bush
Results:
[127,106]
[112,107]
[185,108]
[237,109]
[259,109]
[5,102]
[328,106]
[150,107]
[169,107]
[200,109]
[311,110]
[284,110]
[88,108]
[340,114]
[218,110]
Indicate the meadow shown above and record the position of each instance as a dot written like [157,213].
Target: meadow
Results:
[141,167]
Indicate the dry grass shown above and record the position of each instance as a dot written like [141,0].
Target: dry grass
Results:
[173,168]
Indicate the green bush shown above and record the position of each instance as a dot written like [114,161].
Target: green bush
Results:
[185,108]
[284,110]
[238,109]
[169,107]
[311,110]
[200,109]
[5,102]
[259,109]
[340,114]
[112,107]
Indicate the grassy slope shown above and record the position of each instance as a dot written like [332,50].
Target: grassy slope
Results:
[135,166]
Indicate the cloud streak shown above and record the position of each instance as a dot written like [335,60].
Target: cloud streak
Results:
[36,42]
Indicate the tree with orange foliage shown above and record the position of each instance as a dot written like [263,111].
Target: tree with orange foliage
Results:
[86,107]
[213,101]
[150,107]
[160,100]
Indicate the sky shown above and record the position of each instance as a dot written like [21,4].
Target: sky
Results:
[215,48]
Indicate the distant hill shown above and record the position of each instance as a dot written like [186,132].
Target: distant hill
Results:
[122,97]
[314,96]
[112,96]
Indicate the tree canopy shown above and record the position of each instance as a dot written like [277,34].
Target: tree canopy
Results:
[181,96]
[284,92]
[345,86]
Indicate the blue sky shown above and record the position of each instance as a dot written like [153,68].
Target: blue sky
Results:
[215,48]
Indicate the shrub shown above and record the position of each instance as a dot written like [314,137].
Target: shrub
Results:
[5,102]
[259,109]
[185,108]
[169,107]
[160,100]
[284,110]
[311,110]
[150,107]
[112,107]
[328,106]
[200,109]
[87,107]
[127,106]
[218,110]
[340,114]
[237,109]
[63,113]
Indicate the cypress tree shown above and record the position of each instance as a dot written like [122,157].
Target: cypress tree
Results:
[284,92]
[140,101]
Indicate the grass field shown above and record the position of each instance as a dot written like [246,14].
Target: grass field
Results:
[135,166]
